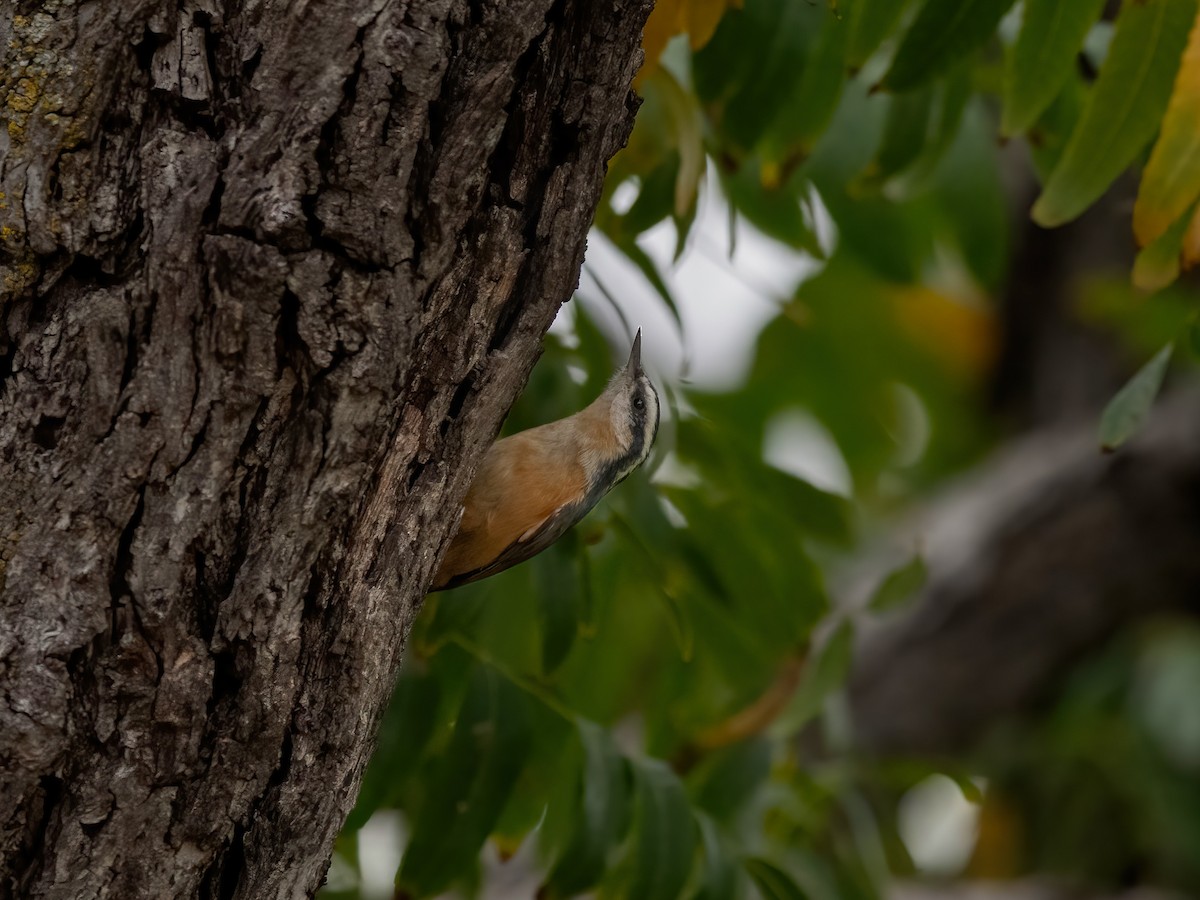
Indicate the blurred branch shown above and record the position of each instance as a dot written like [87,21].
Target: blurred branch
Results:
[747,722]
[1034,561]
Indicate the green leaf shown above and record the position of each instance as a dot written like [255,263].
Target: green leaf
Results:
[603,816]
[903,135]
[656,199]
[560,598]
[725,781]
[459,612]
[810,107]
[845,149]
[1052,132]
[772,882]
[970,790]
[469,786]
[1115,305]
[819,513]
[669,132]
[667,144]
[1194,339]
[664,834]
[899,586]
[836,656]
[681,624]
[1128,410]
[550,764]
[719,878]
[944,32]
[821,679]
[776,210]
[1043,57]
[870,22]
[950,100]
[688,128]
[921,126]
[971,197]
[745,74]
[1125,107]
[772,586]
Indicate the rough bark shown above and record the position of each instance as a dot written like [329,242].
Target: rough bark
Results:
[1034,562]
[273,274]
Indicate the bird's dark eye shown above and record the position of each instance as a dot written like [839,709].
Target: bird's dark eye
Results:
[639,403]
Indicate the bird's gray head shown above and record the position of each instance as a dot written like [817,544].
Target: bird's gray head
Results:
[633,412]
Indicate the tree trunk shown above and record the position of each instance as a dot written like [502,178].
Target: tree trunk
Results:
[273,274]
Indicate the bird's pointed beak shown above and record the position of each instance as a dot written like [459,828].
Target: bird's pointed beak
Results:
[635,355]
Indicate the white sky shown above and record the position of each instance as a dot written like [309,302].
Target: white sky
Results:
[724,301]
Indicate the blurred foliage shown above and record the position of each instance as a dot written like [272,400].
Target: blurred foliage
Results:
[622,711]
[1107,786]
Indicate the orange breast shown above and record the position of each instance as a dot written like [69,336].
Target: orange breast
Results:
[523,480]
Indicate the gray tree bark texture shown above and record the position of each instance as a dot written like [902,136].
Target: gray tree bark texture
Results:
[273,273]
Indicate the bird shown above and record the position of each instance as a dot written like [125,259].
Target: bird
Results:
[534,485]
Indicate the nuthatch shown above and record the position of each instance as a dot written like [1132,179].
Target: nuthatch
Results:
[536,484]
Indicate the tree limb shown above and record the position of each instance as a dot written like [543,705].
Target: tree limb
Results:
[1034,560]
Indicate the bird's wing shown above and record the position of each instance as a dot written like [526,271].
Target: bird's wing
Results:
[531,543]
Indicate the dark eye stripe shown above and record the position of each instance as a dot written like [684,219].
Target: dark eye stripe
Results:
[643,428]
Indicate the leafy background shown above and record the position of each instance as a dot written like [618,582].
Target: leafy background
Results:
[632,713]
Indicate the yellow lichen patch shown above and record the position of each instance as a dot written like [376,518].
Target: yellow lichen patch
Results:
[32,66]
[24,97]
[20,272]
[17,278]
[73,131]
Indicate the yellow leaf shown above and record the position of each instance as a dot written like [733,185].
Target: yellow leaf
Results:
[1000,837]
[702,16]
[696,18]
[1171,181]
[1190,249]
[770,176]
[666,20]
[962,333]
